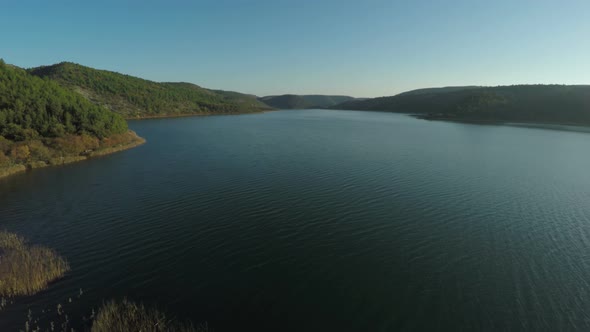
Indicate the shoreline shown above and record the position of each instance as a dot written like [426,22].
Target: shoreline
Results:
[6,172]
[184,115]
[564,126]
[499,122]
[14,169]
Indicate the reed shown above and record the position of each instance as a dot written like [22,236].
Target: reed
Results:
[25,269]
[123,316]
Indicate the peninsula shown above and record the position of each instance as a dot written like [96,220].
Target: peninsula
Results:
[63,113]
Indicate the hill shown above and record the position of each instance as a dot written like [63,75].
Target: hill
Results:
[416,100]
[135,97]
[445,89]
[561,104]
[246,100]
[304,101]
[42,123]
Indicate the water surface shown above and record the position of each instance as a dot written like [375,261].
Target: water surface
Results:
[321,220]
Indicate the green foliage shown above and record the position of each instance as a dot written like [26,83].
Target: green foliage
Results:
[20,153]
[31,107]
[5,145]
[3,158]
[518,103]
[136,97]
[38,150]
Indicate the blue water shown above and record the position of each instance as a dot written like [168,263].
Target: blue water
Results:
[320,220]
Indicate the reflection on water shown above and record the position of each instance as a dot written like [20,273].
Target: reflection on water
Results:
[322,220]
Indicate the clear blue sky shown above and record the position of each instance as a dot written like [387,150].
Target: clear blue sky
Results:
[362,48]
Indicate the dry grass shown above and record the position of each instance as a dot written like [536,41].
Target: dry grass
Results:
[126,316]
[24,269]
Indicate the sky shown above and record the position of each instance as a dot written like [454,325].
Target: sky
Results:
[362,48]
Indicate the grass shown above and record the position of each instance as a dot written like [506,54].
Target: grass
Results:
[123,316]
[25,269]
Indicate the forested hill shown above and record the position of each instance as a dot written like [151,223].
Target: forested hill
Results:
[414,101]
[32,107]
[564,104]
[43,123]
[136,97]
[303,101]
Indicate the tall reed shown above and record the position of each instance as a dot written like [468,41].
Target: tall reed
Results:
[120,316]
[26,269]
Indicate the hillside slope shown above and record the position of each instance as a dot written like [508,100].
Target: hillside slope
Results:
[33,106]
[304,101]
[136,97]
[414,101]
[518,103]
[42,123]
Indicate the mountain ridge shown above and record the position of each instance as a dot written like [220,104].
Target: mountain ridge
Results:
[135,97]
[551,103]
[293,101]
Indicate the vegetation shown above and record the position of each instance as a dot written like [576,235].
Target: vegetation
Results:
[135,97]
[18,156]
[31,107]
[42,123]
[126,316]
[321,101]
[304,101]
[245,101]
[24,269]
[561,104]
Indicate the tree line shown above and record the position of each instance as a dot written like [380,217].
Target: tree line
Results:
[31,107]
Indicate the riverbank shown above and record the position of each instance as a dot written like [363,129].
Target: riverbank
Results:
[184,115]
[30,155]
[569,126]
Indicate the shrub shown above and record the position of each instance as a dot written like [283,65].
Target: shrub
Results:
[24,269]
[75,144]
[128,316]
[3,158]
[89,142]
[13,131]
[5,145]
[38,150]
[20,153]
[117,139]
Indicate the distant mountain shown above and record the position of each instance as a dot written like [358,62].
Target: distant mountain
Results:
[136,97]
[286,102]
[304,101]
[246,100]
[445,89]
[565,104]
[413,100]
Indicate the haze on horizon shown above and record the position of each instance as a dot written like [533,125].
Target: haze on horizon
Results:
[270,47]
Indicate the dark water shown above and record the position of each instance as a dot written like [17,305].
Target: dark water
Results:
[322,221]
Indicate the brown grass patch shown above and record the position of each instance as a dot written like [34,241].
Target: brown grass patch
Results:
[25,269]
[126,316]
